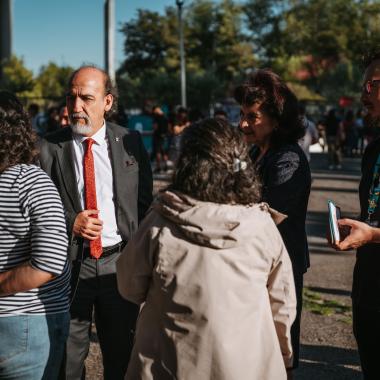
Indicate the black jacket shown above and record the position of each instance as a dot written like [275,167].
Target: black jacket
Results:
[286,179]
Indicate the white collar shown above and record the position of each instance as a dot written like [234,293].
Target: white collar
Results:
[99,137]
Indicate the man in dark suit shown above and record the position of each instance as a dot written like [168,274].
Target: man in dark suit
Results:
[103,174]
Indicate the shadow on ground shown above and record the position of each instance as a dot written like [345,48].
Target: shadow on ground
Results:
[326,362]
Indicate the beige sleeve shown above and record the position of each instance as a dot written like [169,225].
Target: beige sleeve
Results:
[282,298]
[135,265]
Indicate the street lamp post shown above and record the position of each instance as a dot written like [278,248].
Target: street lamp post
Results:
[109,38]
[182,53]
[5,33]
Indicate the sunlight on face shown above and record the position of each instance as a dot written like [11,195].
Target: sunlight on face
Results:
[256,126]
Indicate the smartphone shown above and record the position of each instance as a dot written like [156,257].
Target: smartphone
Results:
[334,215]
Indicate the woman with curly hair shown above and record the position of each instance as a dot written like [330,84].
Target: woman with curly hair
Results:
[270,121]
[211,269]
[34,273]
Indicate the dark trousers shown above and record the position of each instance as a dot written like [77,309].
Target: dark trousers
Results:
[366,325]
[296,326]
[115,318]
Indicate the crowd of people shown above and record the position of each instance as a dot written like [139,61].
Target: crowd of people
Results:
[204,282]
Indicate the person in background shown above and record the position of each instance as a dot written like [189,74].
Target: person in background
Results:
[335,138]
[351,133]
[64,117]
[311,133]
[37,119]
[103,174]
[180,123]
[160,130]
[34,270]
[364,235]
[221,114]
[52,120]
[270,121]
[211,270]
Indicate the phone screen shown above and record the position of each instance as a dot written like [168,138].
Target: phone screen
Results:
[334,215]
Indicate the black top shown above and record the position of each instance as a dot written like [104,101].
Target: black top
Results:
[161,125]
[366,282]
[286,179]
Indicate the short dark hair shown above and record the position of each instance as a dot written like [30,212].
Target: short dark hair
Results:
[109,88]
[18,140]
[205,168]
[277,101]
[371,55]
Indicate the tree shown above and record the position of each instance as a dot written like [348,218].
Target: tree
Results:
[217,52]
[317,42]
[52,80]
[17,78]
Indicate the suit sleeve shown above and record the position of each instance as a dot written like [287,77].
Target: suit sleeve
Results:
[45,162]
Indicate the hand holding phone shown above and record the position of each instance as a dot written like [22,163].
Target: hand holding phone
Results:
[334,215]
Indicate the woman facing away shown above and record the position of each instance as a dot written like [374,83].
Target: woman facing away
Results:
[270,121]
[34,273]
[211,269]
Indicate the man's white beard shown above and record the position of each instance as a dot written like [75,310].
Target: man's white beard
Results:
[81,129]
[78,128]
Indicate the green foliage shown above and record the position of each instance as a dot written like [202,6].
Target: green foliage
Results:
[325,38]
[313,302]
[16,77]
[216,49]
[52,80]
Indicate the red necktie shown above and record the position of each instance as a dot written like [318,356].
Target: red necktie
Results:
[90,193]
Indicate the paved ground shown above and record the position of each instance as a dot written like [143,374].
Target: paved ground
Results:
[328,348]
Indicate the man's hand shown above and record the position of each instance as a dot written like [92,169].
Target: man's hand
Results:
[359,234]
[87,225]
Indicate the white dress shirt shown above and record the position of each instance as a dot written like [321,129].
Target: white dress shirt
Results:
[103,182]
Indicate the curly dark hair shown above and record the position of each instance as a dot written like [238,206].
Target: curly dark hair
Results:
[18,140]
[109,88]
[205,168]
[277,101]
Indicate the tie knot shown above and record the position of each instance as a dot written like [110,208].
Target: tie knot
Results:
[89,142]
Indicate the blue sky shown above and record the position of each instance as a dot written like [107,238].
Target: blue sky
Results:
[70,32]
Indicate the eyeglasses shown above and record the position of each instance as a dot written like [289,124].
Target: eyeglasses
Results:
[250,117]
[368,86]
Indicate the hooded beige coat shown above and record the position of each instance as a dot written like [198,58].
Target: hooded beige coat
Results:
[218,290]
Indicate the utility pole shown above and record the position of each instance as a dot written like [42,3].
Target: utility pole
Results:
[109,38]
[5,33]
[182,53]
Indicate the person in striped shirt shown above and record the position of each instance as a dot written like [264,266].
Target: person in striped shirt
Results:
[34,271]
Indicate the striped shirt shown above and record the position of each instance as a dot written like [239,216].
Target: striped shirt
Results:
[33,229]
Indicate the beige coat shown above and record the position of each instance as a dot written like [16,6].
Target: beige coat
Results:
[218,290]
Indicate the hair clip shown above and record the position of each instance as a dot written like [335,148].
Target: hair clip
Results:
[239,165]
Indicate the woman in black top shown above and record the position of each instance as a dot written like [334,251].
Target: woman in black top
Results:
[270,121]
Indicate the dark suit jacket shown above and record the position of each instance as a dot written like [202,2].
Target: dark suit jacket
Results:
[132,178]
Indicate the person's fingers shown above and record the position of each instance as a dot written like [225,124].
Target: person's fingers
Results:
[90,237]
[95,227]
[90,232]
[347,222]
[95,221]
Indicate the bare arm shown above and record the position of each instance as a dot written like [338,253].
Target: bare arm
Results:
[22,278]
